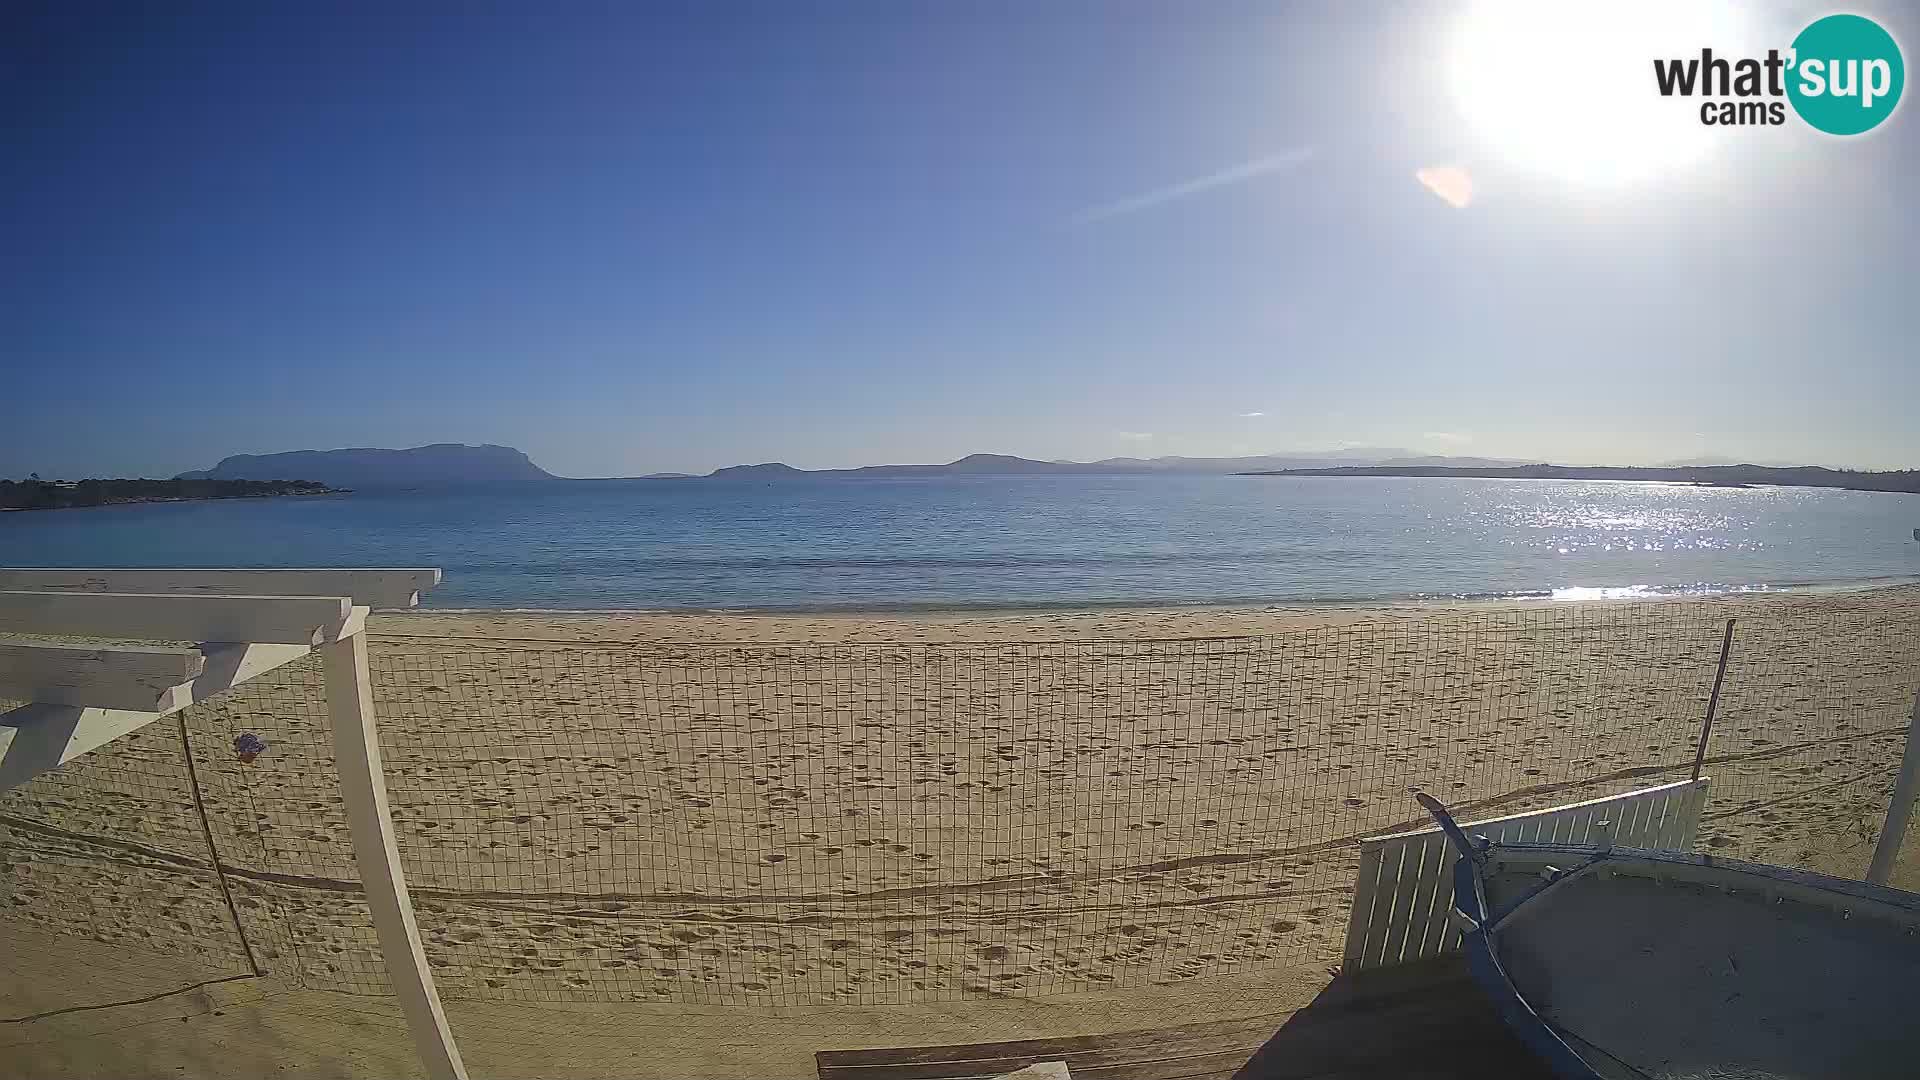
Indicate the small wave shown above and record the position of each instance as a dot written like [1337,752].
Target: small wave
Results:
[1566,594]
[867,563]
[1580,593]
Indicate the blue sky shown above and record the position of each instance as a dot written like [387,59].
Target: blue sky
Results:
[637,238]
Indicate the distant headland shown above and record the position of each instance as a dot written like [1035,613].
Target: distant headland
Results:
[1907,480]
[453,466]
[488,467]
[439,466]
[68,494]
[1009,465]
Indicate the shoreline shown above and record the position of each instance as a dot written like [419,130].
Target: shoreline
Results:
[168,500]
[426,628]
[1526,602]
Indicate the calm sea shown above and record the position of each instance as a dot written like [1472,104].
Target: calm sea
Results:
[1023,541]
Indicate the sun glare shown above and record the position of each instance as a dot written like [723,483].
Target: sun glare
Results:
[1568,90]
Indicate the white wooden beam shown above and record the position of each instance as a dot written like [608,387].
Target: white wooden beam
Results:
[363,787]
[105,676]
[1906,787]
[381,588]
[35,738]
[278,620]
[44,735]
[231,663]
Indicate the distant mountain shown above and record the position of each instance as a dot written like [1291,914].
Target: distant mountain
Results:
[1372,452]
[770,470]
[455,466]
[1716,461]
[1707,475]
[440,466]
[1301,459]
[976,464]
[972,464]
[1433,461]
[1008,465]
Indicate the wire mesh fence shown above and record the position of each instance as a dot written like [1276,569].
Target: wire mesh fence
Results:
[111,849]
[1808,738]
[104,830]
[883,823]
[281,825]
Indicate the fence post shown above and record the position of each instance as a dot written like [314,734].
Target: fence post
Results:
[1900,810]
[363,787]
[1713,703]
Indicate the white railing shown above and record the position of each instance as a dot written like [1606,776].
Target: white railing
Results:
[81,696]
[1403,891]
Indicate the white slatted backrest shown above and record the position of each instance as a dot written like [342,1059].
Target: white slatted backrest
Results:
[1403,894]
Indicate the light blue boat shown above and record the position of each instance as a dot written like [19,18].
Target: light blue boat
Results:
[1632,963]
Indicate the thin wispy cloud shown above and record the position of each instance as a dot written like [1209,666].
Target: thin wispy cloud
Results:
[1261,166]
[1136,434]
[1452,438]
[1249,415]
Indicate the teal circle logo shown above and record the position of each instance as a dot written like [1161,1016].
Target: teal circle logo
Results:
[1847,74]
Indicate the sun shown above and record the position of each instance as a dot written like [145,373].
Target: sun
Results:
[1567,90]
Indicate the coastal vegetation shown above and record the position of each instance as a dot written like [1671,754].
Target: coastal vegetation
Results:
[36,494]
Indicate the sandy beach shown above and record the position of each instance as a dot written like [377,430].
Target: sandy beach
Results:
[1115,623]
[799,810]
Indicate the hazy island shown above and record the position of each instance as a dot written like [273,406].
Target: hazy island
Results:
[440,466]
[1907,480]
[66,494]
[491,468]
[455,466]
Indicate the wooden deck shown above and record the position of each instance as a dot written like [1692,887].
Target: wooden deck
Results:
[1424,1021]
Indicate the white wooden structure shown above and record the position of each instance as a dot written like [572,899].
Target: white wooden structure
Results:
[1906,787]
[240,623]
[1403,891]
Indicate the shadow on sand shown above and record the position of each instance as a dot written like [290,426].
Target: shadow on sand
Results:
[1429,1021]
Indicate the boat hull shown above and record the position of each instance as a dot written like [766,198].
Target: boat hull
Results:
[1635,963]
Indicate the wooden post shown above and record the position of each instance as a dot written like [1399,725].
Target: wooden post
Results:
[356,746]
[1713,703]
[1900,810]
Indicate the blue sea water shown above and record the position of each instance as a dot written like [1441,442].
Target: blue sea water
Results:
[1037,541]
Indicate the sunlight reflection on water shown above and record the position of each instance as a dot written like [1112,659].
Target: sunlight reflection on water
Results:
[1577,593]
[1038,541]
